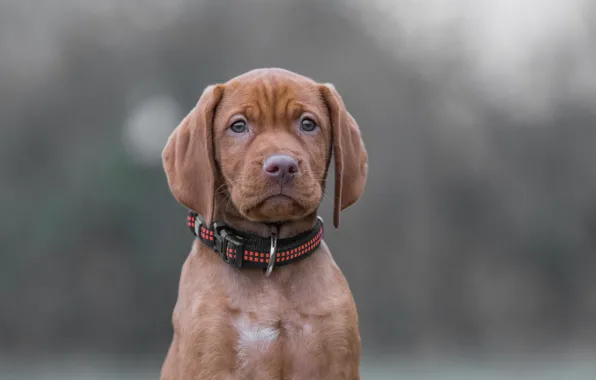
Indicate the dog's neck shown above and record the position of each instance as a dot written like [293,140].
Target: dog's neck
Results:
[232,217]
[286,229]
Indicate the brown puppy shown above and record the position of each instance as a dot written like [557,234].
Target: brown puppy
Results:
[254,154]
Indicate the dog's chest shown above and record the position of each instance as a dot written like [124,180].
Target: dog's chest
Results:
[274,338]
[264,328]
[274,328]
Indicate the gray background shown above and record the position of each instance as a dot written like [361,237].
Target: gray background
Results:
[472,249]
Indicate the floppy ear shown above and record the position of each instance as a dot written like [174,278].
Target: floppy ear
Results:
[351,159]
[188,157]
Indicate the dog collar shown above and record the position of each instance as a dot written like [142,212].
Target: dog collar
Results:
[251,251]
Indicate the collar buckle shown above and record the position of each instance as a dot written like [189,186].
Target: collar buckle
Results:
[226,244]
[195,223]
[219,240]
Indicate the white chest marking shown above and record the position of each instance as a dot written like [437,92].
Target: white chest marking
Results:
[252,338]
[307,328]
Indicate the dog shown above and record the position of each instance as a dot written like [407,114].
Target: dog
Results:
[260,296]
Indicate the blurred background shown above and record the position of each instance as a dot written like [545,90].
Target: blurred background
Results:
[480,121]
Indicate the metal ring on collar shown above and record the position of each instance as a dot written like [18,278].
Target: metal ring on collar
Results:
[272,252]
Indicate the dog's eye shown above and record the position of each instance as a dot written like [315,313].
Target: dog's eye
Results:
[307,125]
[239,126]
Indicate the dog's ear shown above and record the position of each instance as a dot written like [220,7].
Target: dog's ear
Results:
[351,159]
[188,157]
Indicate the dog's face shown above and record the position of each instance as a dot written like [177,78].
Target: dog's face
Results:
[264,140]
[272,143]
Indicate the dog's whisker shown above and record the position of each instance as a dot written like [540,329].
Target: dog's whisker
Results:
[326,196]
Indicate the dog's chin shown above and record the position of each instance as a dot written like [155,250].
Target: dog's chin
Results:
[277,208]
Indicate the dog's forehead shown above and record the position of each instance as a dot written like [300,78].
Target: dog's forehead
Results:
[272,92]
[270,74]
[271,85]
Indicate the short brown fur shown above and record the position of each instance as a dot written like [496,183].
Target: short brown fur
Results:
[218,174]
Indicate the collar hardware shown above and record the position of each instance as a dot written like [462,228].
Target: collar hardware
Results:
[272,251]
[225,242]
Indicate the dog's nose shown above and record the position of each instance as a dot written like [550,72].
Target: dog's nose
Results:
[281,167]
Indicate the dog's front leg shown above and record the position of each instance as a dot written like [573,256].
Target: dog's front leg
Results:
[182,363]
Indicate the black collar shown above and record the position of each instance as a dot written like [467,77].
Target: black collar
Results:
[251,251]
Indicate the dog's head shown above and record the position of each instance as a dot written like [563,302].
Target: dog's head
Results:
[265,139]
